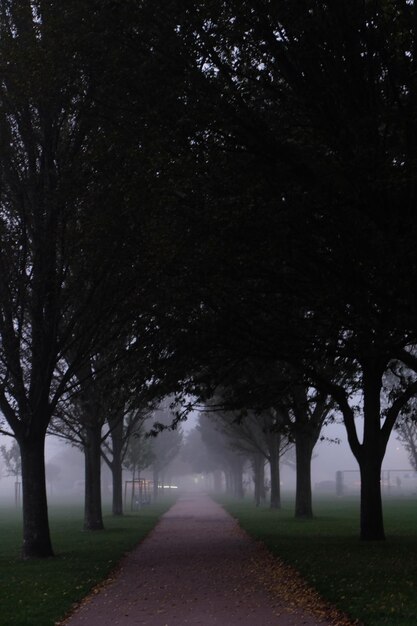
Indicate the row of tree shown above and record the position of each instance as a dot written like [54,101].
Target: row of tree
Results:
[264,435]
[79,169]
[125,444]
[198,196]
[305,193]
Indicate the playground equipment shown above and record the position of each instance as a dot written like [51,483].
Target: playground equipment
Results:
[393,482]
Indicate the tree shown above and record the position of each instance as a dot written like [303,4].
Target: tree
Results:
[267,406]
[65,260]
[304,412]
[406,430]
[258,436]
[126,447]
[407,434]
[12,460]
[317,105]
[99,416]
[139,453]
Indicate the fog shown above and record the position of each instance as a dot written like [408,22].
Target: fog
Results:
[331,454]
[332,457]
[65,467]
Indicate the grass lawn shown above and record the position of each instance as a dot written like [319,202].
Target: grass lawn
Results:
[40,593]
[375,582]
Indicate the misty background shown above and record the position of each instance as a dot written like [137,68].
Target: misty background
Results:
[65,467]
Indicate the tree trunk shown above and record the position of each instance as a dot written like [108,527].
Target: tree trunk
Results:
[275,502]
[372,524]
[117,481]
[132,493]
[273,448]
[303,494]
[116,469]
[262,486]
[371,456]
[93,516]
[36,534]
[258,465]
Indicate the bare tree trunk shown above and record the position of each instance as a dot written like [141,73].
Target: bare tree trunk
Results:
[303,494]
[262,486]
[275,501]
[372,524]
[258,465]
[273,448]
[36,534]
[370,452]
[371,456]
[132,493]
[117,482]
[93,516]
[116,468]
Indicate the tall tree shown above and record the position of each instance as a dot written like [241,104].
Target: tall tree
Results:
[259,436]
[65,262]
[124,441]
[317,105]
[304,418]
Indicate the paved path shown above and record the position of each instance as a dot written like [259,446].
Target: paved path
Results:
[196,567]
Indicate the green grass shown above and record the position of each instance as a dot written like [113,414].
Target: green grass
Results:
[40,593]
[375,582]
